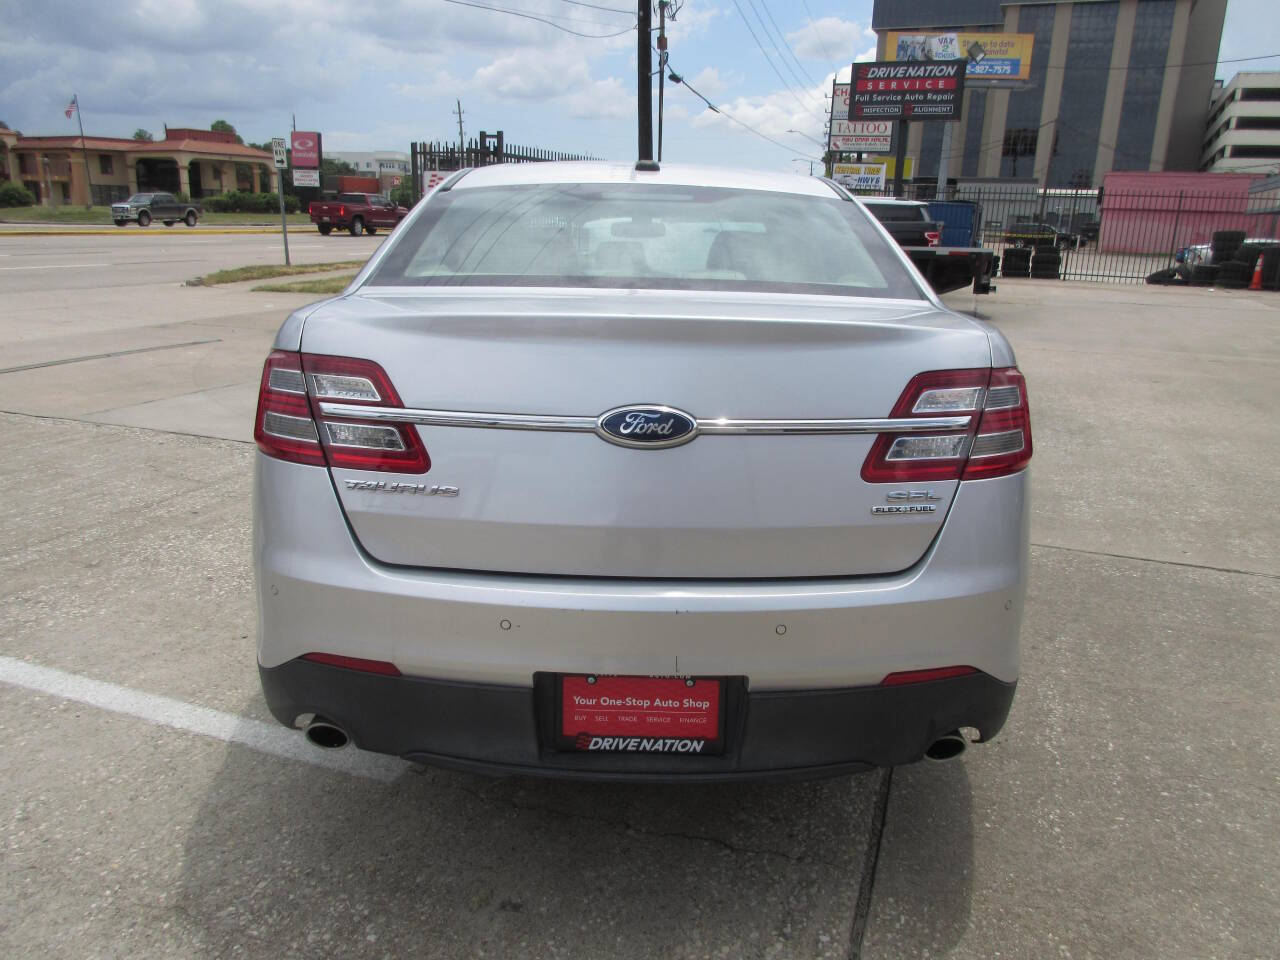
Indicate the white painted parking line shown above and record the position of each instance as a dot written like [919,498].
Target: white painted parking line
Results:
[153,708]
[59,266]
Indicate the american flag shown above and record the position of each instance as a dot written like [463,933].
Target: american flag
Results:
[71,108]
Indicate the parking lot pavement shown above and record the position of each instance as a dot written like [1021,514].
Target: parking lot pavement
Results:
[1128,809]
[157,810]
[133,571]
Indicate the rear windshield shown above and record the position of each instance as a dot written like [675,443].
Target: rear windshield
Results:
[352,197]
[894,211]
[645,236]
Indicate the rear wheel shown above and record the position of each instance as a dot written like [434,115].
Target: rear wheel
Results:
[324,228]
[144,219]
[357,226]
[190,218]
[170,223]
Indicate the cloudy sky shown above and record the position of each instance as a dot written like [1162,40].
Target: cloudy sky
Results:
[378,75]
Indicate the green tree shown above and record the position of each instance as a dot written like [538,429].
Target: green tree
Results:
[337,168]
[141,134]
[221,126]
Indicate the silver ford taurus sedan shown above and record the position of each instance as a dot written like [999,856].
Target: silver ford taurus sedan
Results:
[629,474]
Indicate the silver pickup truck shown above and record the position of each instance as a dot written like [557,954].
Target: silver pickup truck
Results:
[142,208]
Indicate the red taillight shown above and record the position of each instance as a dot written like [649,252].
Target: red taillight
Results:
[354,663]
[997,440]
[932,237]
[342,211]
[292,426]
[924,676]
[311,207]
[284,428]
[1003,441]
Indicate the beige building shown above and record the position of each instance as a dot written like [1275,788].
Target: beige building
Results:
[1243,134]
[1114,85]
[199,163]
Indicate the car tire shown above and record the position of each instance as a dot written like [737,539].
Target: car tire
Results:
[190,218]
[357,226]
[170,223]
[324,228]
[1204,275]
[121,223]
[144,219]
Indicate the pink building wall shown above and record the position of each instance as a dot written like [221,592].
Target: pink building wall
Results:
[1162,212]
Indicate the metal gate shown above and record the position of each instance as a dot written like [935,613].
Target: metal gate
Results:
[489,148]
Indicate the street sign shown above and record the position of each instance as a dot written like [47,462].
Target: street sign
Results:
[278,149]
[907,91]
[306,178]
[306,149]
[857,136]
[860,176]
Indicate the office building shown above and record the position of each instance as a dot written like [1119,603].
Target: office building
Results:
[1114,85]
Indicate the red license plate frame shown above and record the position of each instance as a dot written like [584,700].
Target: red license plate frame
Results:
[614,713]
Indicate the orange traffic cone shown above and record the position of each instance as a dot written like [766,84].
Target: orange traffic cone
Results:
[1256,282]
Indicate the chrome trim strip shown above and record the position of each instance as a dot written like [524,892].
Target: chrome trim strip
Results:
[457,418]
[721,425]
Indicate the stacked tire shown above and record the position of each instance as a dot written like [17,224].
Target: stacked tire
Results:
[1204,275]
[1235,274]
[1046,264]
[1016,262]
[1225,244]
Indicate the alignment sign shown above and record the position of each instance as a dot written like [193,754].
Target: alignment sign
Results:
[917,91]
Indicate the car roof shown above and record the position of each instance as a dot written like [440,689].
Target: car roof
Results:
[894,201]
[670,174]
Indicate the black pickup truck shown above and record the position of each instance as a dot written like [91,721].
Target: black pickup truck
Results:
[946,268]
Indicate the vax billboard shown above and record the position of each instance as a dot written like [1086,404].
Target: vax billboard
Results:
[996,56]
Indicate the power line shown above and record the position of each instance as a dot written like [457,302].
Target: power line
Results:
[745,126]
[596,6]
[765,5]
[772,65]
[550,23]
[821,40]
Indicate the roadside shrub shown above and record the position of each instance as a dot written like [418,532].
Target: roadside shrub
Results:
[402,195]
[15,195]
[239,201]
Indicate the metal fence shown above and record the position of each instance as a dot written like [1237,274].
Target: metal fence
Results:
[1115,236]
[431,157]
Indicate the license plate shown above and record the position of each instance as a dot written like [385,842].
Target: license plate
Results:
[618,714]
[325,219]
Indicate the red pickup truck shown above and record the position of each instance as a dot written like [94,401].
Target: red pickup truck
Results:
[356,212]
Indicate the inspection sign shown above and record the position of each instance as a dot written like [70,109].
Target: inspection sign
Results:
[929,90]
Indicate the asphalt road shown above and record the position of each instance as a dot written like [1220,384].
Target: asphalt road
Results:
[155,809]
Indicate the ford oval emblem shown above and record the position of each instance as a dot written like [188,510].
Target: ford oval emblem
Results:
[648,426]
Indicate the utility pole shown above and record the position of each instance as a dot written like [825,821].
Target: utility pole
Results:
[84,149]
[662,64]
[644,84]
[461,146]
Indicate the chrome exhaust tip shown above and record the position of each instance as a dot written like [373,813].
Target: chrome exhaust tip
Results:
[947,747]
[325,735]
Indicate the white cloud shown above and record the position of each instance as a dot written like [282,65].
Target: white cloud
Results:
[709,82]
[830,39]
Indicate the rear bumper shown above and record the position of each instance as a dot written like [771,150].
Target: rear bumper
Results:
[319,592]
[506,729]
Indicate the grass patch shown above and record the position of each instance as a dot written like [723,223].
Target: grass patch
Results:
[322,285]
[265,271]
[101,216]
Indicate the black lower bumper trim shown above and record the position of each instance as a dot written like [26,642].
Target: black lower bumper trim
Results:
[502,729]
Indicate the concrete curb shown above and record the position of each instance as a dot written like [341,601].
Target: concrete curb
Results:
[121,232]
